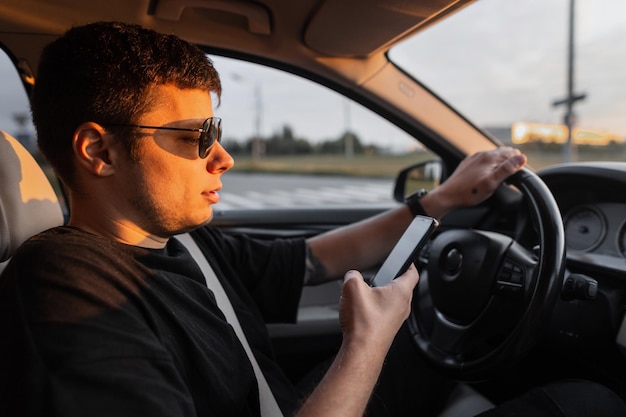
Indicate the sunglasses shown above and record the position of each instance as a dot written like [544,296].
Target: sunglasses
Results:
[210,132]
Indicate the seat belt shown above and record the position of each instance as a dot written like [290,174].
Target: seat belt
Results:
[269,406]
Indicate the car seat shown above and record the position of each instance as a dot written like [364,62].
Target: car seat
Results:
[28,203]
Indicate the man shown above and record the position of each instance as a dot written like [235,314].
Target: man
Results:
[114,318]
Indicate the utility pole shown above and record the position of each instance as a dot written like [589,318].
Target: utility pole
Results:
[569,148]
[258,106]
[348,136]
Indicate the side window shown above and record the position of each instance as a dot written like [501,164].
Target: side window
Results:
[14,108]
[16,120]
[297,143]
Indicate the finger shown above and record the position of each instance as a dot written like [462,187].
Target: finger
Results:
[509,167]
[409,279]
[352,274]
[508,152]
[352,280]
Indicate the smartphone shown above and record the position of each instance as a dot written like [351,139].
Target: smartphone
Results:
[406,250]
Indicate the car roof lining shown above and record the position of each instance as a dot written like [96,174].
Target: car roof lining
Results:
[257,17]
[327,26]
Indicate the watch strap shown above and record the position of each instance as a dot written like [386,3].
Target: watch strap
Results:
[414,203]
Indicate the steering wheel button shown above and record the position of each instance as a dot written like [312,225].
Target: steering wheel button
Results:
[507,288]
[517,278]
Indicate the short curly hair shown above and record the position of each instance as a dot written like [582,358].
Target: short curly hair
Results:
[105,72]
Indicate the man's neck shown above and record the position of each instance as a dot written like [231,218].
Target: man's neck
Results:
[120,232]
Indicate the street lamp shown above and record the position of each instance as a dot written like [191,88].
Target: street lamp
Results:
[570,118]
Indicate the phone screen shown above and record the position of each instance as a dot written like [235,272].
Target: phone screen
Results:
[406,250]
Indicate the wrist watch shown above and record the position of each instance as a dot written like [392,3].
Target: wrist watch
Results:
[413,201]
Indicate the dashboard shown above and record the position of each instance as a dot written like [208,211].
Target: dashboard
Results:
[592,199]
[596,234]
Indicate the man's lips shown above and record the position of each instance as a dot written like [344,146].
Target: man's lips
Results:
[212,196]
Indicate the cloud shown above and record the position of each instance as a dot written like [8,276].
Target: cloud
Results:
[499,61]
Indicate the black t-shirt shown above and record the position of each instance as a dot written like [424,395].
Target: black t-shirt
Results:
[93,327]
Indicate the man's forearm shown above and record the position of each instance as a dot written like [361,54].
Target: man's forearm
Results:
[370,318]
[360,245]
[348,384]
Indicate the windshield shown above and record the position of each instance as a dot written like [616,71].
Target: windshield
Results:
[506,66]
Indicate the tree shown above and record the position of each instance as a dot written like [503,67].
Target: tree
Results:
[285,143]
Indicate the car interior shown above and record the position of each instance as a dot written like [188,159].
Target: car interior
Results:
[541,294]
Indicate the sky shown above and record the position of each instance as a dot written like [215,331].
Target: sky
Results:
[520,67]
[496,61]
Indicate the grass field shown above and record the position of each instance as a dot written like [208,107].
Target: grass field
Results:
[389,165]
[359,165]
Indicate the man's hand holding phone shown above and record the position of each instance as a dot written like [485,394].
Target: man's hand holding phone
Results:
[406,250]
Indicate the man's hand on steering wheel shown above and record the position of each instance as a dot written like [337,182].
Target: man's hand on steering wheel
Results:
[474,180]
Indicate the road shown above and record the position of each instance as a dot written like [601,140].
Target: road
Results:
[242,190]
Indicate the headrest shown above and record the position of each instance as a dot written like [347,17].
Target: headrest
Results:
[28,204]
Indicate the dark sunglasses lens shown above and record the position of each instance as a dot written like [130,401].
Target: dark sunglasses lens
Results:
[212,132]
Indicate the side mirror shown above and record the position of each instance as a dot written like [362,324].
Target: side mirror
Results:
[425,175]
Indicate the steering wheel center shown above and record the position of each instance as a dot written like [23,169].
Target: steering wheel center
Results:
[453,264]
[462,270]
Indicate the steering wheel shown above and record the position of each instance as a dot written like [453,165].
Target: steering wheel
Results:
[483,297]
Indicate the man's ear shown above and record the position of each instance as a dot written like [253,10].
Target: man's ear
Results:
[94,149]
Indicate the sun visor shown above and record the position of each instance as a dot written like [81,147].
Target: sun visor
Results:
[337,30]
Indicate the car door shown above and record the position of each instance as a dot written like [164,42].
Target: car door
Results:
[325,163]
